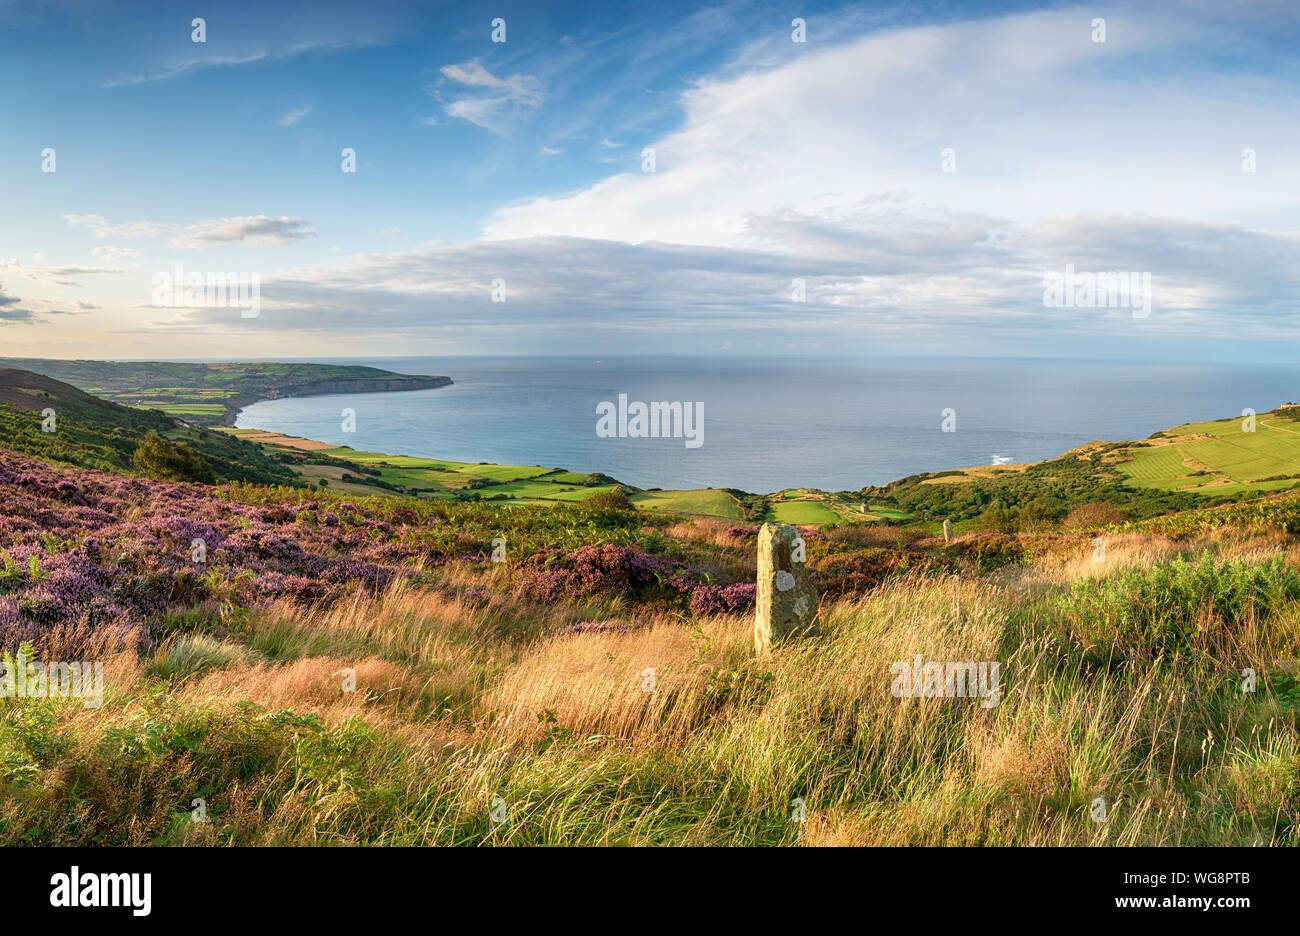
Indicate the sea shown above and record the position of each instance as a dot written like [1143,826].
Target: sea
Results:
[772,423]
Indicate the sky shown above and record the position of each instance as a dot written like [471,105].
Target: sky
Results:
[747,178]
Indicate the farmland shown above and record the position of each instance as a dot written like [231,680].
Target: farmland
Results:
[1223,456]
[212,394]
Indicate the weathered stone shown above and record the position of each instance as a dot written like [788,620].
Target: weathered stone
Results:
[947,531]
[787,600]
[863,508]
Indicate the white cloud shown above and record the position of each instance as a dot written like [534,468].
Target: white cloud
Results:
[186,65]
[255,230]
[491,102]
[295,115]
[137,230]
[897,269]
[113,253]
[1043,121]
[60,275]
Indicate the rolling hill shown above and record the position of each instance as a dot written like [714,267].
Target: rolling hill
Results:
[90,432]
[212,394]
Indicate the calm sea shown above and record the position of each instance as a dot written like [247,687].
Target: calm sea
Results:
[773,424]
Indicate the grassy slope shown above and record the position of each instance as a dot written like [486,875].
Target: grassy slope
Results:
[95,433]
[1218,457]
[1119,679]
[426,477]
[1152,477]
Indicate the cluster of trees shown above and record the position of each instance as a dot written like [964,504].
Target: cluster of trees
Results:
[754,508]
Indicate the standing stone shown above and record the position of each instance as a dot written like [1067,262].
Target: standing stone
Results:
[863,508]
[787,600]
[947,531]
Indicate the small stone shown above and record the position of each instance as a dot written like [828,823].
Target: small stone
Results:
[947,531]
[782,571]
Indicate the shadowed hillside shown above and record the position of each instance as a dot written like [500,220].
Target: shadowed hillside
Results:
[95,433]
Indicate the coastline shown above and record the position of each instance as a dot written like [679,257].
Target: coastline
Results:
[235,404]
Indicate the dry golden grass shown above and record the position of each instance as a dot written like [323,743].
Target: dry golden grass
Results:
[464,705]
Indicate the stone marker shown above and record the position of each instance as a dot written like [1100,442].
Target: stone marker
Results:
[947,531]
[787,600]
[863,508]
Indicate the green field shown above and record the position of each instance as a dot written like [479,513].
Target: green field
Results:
[804,511]
[1216,458]
[412,475]
[189,409]
[706,503]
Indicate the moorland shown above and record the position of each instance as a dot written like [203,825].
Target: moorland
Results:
[478,654]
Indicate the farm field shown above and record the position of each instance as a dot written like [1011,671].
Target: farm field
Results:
[1218,457]
[377,472]
[704,503]
[812,512]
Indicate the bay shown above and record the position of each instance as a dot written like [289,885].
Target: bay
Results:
[771,424]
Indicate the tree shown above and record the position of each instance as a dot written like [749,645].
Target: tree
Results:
[171,461]
[615,499]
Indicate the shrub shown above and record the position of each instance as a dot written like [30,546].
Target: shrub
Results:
[865,569]
[1093,516]
[1173,607]
[615,499]
[171,461]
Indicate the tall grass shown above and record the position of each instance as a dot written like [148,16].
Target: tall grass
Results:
[470,709]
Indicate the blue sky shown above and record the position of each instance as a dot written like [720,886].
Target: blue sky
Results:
[775,160]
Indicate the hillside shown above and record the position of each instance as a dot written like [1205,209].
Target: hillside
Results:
[94,433]
[1196,465]
[346,671]
[212,394]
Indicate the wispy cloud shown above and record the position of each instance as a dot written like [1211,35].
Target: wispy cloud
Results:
[60,275]
[135,230]
[486,100]
[254,55]
[184,67]
[256,230]
[291,118]
[114,253]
